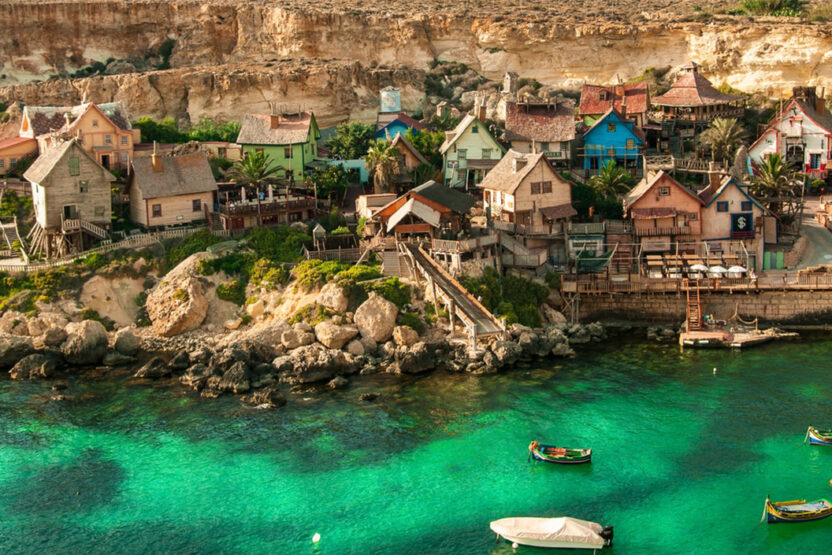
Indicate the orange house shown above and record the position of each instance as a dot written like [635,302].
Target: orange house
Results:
[431,209]
[103,130]
[663,212]
[14,149]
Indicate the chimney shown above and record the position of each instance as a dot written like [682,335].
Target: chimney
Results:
[480,110]
[156,158]
[274,121]
[714,178]
[624,106]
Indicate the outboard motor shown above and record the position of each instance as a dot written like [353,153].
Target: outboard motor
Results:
[607,534]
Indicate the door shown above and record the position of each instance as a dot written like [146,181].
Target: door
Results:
[70,212]
[105,160]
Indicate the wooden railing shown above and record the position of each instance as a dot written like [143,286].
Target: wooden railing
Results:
[265,208]
[532,260]
[529,229]
[76,224]
[655,231]
[807,282]
[463,245]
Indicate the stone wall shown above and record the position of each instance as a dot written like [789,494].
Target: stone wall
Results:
[791,307]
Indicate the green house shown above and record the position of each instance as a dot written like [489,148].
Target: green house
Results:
[468,152]
[289,140]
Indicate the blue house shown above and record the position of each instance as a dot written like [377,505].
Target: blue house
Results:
[399,125]
[612,137]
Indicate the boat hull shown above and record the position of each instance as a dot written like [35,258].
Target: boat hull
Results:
[775,515]
[550,544]
[539,453]
[819,438]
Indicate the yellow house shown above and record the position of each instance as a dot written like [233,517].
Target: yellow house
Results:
[13,150]
[103,130]
[171,190]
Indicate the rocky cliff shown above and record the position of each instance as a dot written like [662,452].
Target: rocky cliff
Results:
[229,58]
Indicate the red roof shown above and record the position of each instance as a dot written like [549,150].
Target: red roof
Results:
[14,141]
[691,89]
[546,123]
[410,122]
[637,95]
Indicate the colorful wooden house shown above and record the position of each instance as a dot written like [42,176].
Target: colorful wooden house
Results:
[103,130]
[630,100]
[734,221]
[664,213]
[71,197]
[801,133]
[289,139]
[14,149]
[694,101]
[542,127]
[613,137]
[398,126]
[468,152]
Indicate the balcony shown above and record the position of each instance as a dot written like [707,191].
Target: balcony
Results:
[249,208]
[742,234]
[659,231]
[465,245]
[547,230]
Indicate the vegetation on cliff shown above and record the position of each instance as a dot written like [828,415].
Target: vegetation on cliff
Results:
[511,297]
[168,131]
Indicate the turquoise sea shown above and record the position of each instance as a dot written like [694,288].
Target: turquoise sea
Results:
[683,459]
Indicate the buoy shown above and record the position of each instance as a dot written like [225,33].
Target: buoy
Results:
[830,482]
[714,370]
[316,538]
[514,545]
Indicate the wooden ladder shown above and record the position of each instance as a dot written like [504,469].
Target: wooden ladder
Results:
[694,307]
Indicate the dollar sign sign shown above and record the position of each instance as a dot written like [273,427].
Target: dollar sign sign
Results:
[741,222]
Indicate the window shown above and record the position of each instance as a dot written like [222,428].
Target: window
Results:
[12,162]
[99,211]
[814,161]
[722,206]
[124,140]
[108,139]
[536,188]
[631,144]
[610,128]
[124,157]
[2,163]
[547,187]
[463,154]
[486,154]
[294,216]
[745,206]
[475,129]
[95,123]
[221,152]
[197,205]
[157,210]
[603,95]
[74,165]
[83,186]
[694,216]
[287,152]
[544,147]
[664,191]
[461,175]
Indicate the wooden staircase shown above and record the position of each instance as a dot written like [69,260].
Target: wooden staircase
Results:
[694,306]
[392,265]
[89,227]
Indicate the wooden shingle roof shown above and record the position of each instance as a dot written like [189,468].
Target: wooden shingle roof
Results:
[553,122]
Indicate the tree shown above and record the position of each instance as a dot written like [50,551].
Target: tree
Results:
[427,143]
[329,180]
[255,171]
[723,137]
[611,182]
[208,130]
[423,173]
[351,140]
[779,186]
[384,162]
[165,131]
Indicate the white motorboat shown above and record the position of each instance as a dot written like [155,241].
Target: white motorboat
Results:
[563,532]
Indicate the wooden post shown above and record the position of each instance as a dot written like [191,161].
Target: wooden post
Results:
[435,301]
[451,314]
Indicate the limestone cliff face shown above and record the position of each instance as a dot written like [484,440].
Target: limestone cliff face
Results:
[222,50]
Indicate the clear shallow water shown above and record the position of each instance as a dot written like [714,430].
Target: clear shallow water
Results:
[683,459]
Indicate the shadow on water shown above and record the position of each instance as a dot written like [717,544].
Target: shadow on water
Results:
[87,483]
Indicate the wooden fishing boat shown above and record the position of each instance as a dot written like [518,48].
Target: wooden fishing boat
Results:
[818,437]
[562,532]
[796,511]
[559,455]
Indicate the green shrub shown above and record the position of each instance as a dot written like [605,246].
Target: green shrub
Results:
[553,280]
[88,313]
[515,298]
[281,244]
[391,289]
[781,8]
[312,314]
[181,295]
[196,242]
[233,291]
[310,273]
[251,300]
[340,230]
[430,313]
[141,299]
[360,272]
[265,272]
[412,320]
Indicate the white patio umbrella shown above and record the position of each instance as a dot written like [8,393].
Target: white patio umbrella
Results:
[736,270]
[698,268]
[717,270]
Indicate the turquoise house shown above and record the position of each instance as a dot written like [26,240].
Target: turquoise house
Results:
[468,153]
[612,137]
[398,126]
[290,140]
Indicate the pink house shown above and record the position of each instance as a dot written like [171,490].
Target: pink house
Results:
[663,212]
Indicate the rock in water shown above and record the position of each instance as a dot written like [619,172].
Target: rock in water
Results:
[86,342]
[376,318]
[126,342]
[314,363]
[196,376]
[368,397]
[405,336]
[177,306]
[415,359]
[53,336]
[154,368]
[333,336]
[33,366]
[13,348]
[236,379]
[338,382]
[266,396]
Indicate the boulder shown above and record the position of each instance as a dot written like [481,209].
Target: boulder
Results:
[13,348]
[368,397]
[223,360]
[302,327]
[314,363]
[405,336]
[369,345]
[355,348]
[262,375]
[177,305]
[338,382]
[376,318]
[294,338]
[333,336]
[53,336]
[235,379]
[154,368]
[196,376]
[551,315]
[333,297]
[415,359]
[506,352]
[86,342]
[34,366]
[114,358]
[126,342]
[180,361]
[266,396]
[255,309]
[233,324]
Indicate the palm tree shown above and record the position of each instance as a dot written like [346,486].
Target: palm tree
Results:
[383,160]
[611,182]
[778,182]
[723,137]
[254,172]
